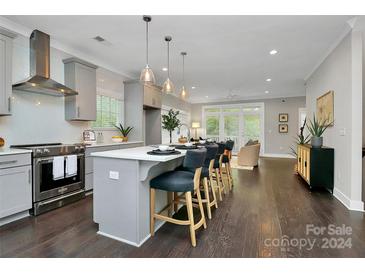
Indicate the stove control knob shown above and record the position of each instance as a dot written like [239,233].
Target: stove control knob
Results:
[46,150]
[77,148]
[38,152]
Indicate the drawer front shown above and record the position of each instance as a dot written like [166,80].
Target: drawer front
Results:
[15,160]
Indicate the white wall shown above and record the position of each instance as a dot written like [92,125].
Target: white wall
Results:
[338,72]
[40,118]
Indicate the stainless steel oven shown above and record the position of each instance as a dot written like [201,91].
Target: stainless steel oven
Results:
[49,193]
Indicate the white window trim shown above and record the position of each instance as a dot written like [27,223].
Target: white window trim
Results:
[261,105]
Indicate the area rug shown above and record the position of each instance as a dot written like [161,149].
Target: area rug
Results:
[235,165]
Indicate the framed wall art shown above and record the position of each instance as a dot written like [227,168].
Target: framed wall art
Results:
[283,128]
[325,108]
[283,117]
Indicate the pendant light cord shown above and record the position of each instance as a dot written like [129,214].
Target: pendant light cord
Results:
[184,70]
[147,43]
[168,59]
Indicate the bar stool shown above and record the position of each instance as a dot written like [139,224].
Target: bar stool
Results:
[226,160]
[218,170]
[181,181]
[207,179]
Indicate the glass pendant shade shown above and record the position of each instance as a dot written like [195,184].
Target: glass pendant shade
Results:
[147,75]
[184,93]
[168,87]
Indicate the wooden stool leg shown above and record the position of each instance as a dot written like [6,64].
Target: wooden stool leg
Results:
[189,207]
[170,198]
[206,193]
[201,208]
[230,172]
[176,198]
[223,180]
[213,187]
[152,211]
[218,184]
[228,177]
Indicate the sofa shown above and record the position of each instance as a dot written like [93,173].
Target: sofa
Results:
[249,155]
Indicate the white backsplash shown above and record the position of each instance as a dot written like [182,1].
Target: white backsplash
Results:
[41,118]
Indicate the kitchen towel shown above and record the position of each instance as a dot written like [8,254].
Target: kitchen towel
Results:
[58,168]
[71,165]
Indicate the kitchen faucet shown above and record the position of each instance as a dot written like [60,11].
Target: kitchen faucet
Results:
[187,127]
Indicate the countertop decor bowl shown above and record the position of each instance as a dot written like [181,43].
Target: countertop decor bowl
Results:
[117,139]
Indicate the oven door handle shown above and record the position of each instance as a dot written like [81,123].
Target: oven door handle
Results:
[50,159]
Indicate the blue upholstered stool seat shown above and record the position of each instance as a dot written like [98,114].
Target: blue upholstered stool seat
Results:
[174,181]
[205,171]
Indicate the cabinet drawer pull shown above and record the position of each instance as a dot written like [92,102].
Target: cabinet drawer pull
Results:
[305,163]
[29,176]
[300,160]
[8,162]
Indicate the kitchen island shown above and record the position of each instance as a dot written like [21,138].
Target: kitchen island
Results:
[121,191]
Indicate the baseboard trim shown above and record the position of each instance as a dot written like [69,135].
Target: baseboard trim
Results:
[14,217]
[277,155]
[347,202]
[158,226]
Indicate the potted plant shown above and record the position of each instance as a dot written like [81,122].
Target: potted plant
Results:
[170,121]
[316,129]
[300,139]
[124,131]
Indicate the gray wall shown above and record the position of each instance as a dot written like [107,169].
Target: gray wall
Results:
[338,73]
[275,142]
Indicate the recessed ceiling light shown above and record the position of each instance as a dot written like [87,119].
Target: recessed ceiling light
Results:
[268,80]
[266,91]
[164,69]
[206,96]
[193,87]
[273,52]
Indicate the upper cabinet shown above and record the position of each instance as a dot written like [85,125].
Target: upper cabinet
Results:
[6,56]
[151,96]
[81,77]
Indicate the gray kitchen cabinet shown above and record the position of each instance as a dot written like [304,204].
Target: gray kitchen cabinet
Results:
[152,96]
[15,185]
[80,76]
[6,56]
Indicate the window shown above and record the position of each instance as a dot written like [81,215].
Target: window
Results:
[109,112]
[238,122]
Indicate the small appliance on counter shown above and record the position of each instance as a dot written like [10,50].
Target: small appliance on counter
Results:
[89,137]
[2,142]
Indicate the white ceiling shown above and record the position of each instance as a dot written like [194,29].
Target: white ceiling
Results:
[228,56]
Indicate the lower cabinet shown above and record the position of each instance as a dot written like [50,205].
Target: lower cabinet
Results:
[15,190]
[316,166]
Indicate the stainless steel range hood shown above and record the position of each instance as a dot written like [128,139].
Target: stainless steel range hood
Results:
[39,80]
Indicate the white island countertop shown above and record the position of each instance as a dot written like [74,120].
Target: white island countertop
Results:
[10,151]
[138,153]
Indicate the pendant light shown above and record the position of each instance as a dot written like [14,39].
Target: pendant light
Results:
[184,92]
[147,75]
[168,86]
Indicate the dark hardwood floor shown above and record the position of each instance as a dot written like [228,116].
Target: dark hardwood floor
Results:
[267,203]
